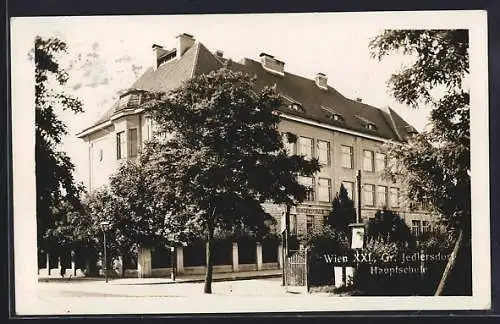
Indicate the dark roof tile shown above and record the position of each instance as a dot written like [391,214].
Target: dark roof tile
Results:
[199,60]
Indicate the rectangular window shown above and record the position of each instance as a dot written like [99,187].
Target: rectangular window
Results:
[293,224]
[132,142]
[394,197]
[369,195]
[380,162]
[309,223]
[426,227]
[323,152]
[382,196]
[368,160]
[121,148]
[289,146]
[349,187]
[324,189]
[415,227]
[306,147]
[347,156]
[309,184]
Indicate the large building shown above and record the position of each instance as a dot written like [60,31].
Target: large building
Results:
[345,135]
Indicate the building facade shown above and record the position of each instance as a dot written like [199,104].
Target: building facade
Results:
[345,135]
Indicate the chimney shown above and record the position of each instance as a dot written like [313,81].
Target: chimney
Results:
[184,42]
[321,81]
[359,99]
[271,64]
[219,53]
[157,51]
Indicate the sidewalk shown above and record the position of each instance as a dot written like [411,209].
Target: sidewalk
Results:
[229,276]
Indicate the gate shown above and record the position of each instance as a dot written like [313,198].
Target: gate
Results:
[296,269]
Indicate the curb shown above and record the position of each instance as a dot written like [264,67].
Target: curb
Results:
[137,281]
[196,280]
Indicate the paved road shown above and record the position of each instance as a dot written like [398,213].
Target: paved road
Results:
[254,287]
[98,297]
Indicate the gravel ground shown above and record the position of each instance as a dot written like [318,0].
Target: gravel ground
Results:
[99,297]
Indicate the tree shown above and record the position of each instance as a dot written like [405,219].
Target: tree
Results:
[224,155]
[343,212]
[136,208]
[435,164]
[389,227]
[55,185]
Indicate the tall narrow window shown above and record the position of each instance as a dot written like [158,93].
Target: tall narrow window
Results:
[121,149]
[415,227]
[324,189]
[380,162]
[293,224]
[309,184]
[394,197]
[368,160]
[369,195]
[347,156]
[426,227]
[349,187]
[289,146]
[309,223]
[382,196]
[323,152]
[132,142]
[306,147]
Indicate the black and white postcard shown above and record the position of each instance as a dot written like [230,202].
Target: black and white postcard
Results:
[243,163]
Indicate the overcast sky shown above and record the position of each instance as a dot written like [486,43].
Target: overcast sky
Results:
[106,54]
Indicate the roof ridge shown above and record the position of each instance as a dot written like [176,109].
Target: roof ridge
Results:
[392,122]
[196,57]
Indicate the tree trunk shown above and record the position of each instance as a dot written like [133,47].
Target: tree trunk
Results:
[450,265]
[208,276]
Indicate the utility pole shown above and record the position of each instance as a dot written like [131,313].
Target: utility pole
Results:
[285,240]
[358,214]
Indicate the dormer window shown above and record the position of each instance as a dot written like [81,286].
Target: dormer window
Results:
[410,130]
[333,114]
[336,117]
[296,107]
[366,123]
[167,56]
[130,99]
[292,104]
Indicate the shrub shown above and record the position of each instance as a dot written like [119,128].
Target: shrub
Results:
[441,240]
[368,283]
[412,283]
[325,239]
[379,248]
[319,241]
[343,212]
[389,226]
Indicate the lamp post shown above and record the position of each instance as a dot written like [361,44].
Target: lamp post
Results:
[104,227]
[173,261]
[358,228]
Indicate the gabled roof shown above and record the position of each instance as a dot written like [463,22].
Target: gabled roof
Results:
[199,60]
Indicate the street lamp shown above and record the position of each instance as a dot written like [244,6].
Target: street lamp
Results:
[173,262]
[104,227]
